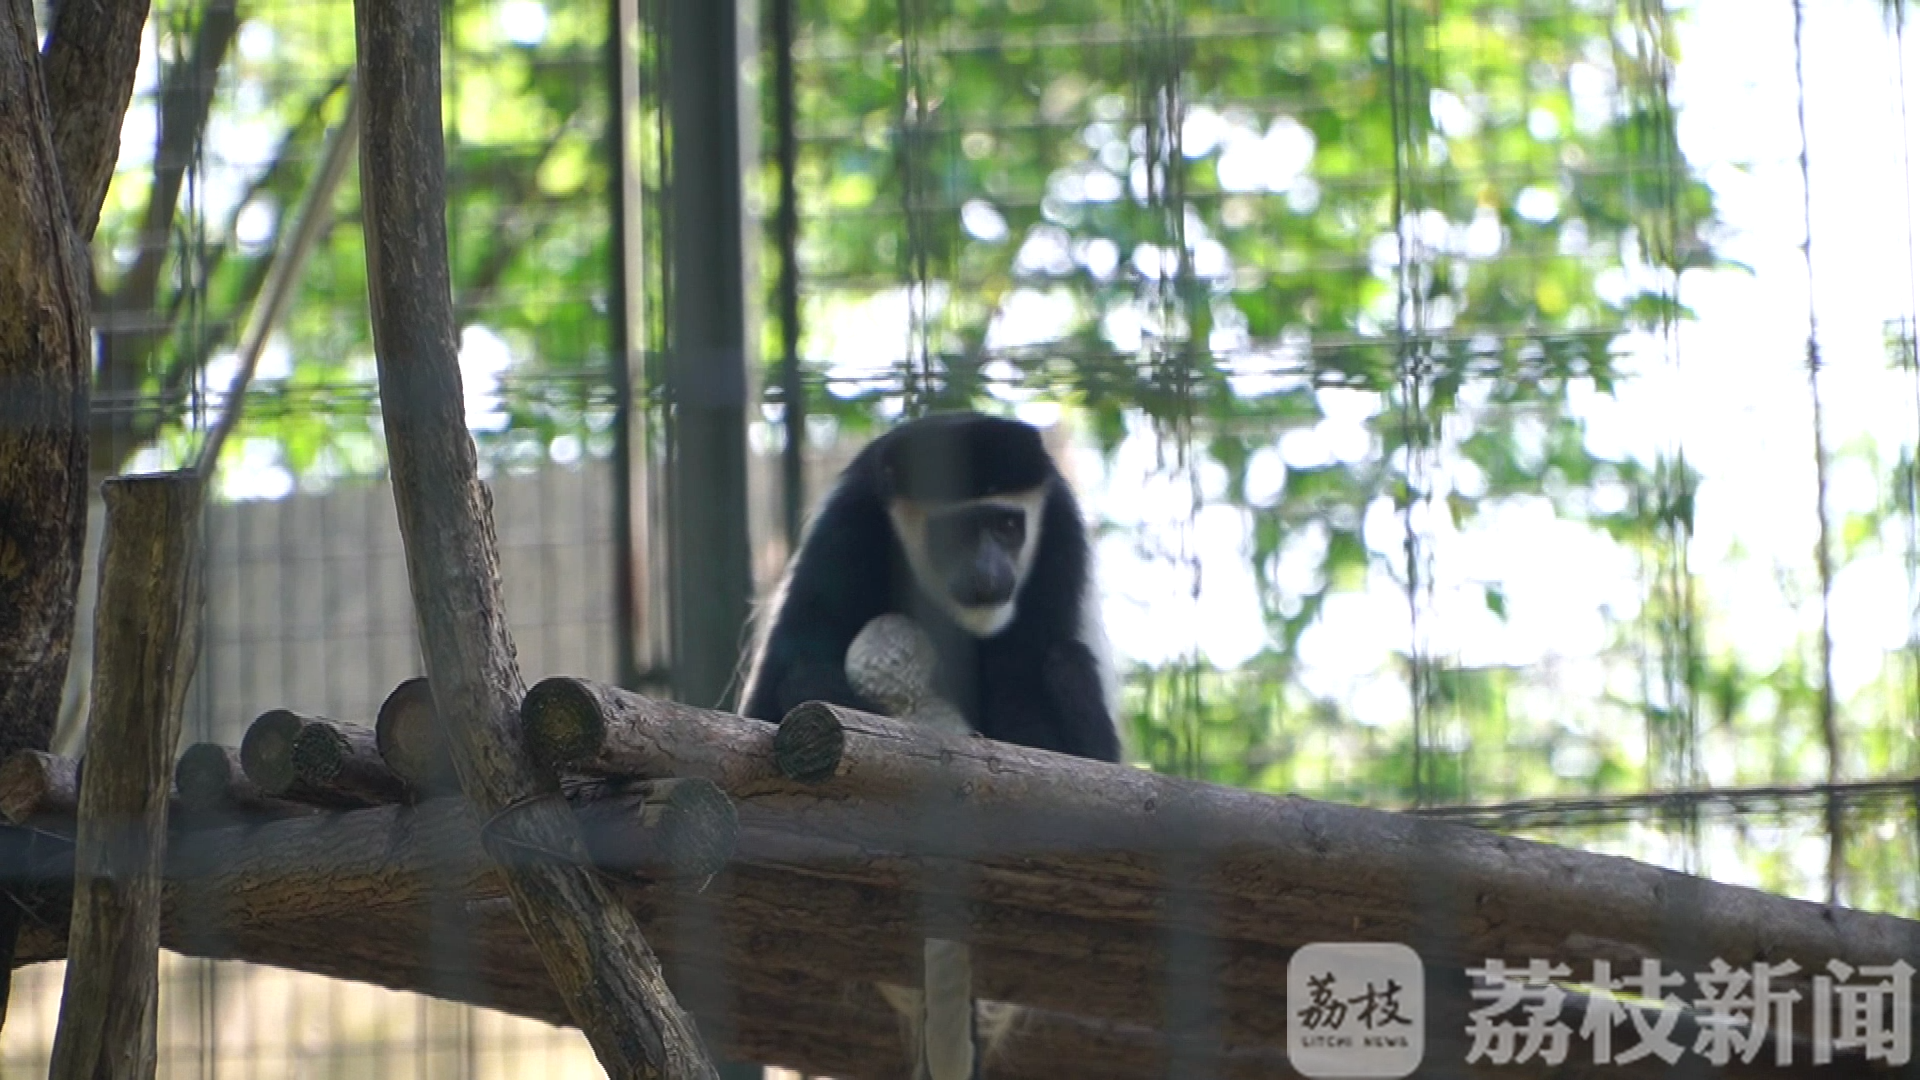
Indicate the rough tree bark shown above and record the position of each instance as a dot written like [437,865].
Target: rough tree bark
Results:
[209,779]
[350,895]
[34,783]
[146,641]
[1052,833]
[343,757]
[92,52]
[268,756]
[44,365]
[59,135]
[808,1020]
[606,973]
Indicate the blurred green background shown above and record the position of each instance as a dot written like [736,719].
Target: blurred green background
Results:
[1504,409]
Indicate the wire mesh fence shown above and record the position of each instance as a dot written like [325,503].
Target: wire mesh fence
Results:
[1484,407]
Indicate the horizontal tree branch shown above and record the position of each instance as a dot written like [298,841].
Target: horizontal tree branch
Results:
[366,894]
[1053,832]
[823,1025]
[1644,805]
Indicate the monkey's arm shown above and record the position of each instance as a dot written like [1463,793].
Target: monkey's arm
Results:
[805,661]
[809,673]
[1071,677]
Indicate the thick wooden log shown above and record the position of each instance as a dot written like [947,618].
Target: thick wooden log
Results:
[410,739]
[146,642]
[266,750]
[1051,833]
[35,784]
[593,949]
[1367,873]
[367,861]
[342,759]
[590,727]
[43,791]
[271,759]
[210,779]
[316,894]
[696,822]
[808,1020]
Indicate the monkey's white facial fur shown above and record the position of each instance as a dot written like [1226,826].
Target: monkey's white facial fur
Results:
[972,557]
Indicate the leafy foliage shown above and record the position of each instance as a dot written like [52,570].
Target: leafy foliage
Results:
[1363,262]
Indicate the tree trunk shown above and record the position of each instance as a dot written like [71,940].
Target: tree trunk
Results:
[605,971]
[59,136]
[44,365]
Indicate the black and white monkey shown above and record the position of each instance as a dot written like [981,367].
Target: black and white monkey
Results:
[963,523]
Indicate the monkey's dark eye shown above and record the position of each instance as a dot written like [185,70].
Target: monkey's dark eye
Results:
[1008,526]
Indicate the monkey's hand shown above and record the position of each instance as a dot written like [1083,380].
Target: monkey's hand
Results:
[891,663]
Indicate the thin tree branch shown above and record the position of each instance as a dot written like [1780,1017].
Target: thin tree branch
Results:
[121,427]
[186,100]
[283,275]
[605,971]
[92,53]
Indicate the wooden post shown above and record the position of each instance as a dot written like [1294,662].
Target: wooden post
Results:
[146,641]
[603,968]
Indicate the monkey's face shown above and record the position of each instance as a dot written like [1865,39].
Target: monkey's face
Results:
[971,557]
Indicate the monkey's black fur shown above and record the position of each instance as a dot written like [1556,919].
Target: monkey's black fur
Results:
[1036,682]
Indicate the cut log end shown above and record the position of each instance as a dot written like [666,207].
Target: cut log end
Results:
[33,782]
[210,780]
[266,752]
[412,742]
[560,719]
[810,744]
[698,824]
[204,774]
[339,762]
[319,753]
